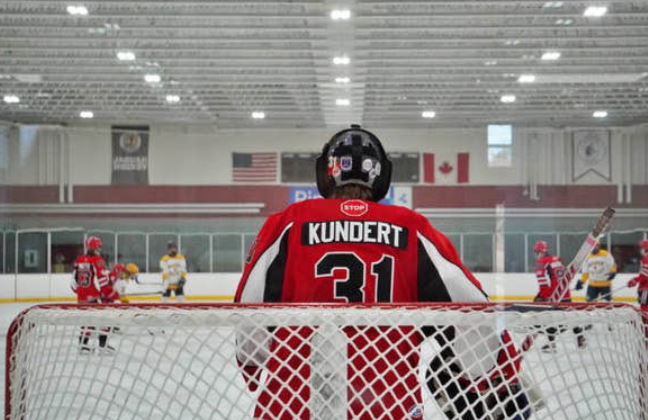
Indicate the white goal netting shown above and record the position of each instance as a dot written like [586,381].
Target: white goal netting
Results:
[327,362]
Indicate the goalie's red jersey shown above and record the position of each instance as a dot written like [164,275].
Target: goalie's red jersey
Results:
[333,250]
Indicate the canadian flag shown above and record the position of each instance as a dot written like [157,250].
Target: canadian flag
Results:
[446,170]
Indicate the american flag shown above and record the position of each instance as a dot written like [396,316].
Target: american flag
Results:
[254,167]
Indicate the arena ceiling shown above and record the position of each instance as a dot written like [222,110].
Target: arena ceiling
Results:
[220,61]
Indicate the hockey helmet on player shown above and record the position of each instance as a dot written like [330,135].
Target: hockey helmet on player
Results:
[643,246]
[132,269]
[119,270]
[354,156]
[93,243]
[541,247]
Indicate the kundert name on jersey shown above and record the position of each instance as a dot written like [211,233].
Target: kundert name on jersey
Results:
[345,231]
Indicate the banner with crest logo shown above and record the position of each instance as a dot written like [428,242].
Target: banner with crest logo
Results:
[130,155]
[591,155]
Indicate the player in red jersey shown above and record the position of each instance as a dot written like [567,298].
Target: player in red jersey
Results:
[90,282]
[641,281]
[549,272]
[349,248]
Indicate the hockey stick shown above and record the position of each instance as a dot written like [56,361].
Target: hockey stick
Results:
[612,292]
[574,266]
[160,293]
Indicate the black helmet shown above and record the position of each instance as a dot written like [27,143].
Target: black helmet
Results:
[354,156]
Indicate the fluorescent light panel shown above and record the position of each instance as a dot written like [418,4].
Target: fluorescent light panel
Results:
[258,115]
[11,99]
[551,55]
[342,102]
[600,114]
[86,114]
[526,78]
[125,55]
[152,78]
[173,99]
[343,80]
[342,60]
[428,114]
[595,11]
[340,14]
[508,99]
[77,10]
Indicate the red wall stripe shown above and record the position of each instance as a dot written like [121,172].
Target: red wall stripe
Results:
[428,168]
[463,168]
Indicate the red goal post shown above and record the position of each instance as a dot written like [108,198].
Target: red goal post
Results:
[324,361]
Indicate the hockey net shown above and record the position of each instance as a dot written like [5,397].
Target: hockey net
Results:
[325,362]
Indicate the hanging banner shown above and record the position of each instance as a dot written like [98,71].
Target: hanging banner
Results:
[130,155]
[591,154]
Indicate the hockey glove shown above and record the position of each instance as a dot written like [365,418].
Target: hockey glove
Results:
[611,276]
[634,282]
[501,401]
[579,285]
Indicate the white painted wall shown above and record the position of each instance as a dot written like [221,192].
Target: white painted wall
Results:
[513,286]
[201,154]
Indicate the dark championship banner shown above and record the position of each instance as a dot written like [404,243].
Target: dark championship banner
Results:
[130,155]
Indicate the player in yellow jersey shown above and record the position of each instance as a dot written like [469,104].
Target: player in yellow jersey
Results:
[174,273]
[598,271]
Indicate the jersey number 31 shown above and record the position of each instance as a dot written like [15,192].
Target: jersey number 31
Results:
[352,287]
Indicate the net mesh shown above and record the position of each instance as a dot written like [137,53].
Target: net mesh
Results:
[326,362]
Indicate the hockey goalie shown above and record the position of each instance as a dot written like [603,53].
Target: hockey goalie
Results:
[348,248]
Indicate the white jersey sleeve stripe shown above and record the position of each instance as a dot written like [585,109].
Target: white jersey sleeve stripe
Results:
[460,288]
[255,285]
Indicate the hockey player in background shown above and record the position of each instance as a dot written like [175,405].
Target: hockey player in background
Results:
[90,281]
[349,248]
[174,273]
[641,281]
[549,272]
[598,272]
[119,277]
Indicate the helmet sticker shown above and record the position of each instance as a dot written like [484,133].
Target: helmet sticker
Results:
[346,163]
[367,165]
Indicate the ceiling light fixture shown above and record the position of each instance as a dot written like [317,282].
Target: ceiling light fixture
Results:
[341,14]
[553,4]
[342,60]
[551,56]
[152,78]
[86,114]
[11,99]
[595,11]
[600,114]
[77,10]
[526,78]
[125,55]
[507,99]
[258,115]
[428,114]
[172,99]
[342,80]
[342,102]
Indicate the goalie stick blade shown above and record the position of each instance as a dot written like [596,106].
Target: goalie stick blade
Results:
[604,221]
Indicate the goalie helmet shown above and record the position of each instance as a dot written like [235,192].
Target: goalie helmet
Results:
[93,243]
[541,246]
[354,156]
